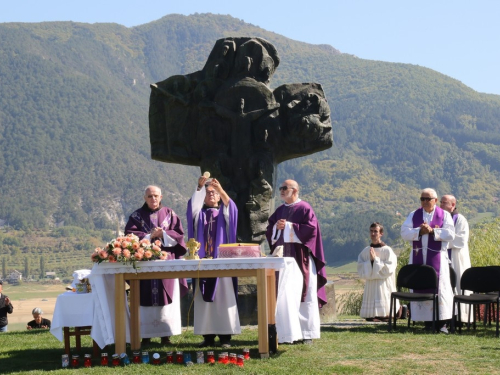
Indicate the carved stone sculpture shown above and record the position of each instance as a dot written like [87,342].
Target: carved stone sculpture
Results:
[226,120]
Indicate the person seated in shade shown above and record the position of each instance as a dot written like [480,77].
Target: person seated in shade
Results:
[38,321]
[377,266]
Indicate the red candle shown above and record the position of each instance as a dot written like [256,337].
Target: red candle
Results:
[240,360]
[170,357]
[210,357]
[225,358]
[87,361]
[104,359]
[179,357]
[156,359]
[75,360]
[246,353]
[232,358]
[136,357]
[115,360]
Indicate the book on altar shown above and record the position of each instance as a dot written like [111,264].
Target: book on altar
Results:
[239,250]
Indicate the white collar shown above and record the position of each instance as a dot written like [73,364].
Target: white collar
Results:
[291,204]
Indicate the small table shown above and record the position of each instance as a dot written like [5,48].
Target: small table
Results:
[73,310]
[262,268]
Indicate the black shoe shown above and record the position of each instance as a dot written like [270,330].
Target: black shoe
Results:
[206,343]
[166,340]
[146,342]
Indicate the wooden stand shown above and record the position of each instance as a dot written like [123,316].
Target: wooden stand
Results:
[77,333]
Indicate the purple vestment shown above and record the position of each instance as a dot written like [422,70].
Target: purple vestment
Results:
[433,258]
[306,227]
[210,233]
[141,223]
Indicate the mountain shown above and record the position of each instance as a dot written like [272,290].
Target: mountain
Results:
[74,136]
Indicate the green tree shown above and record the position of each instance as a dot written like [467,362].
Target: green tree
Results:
[26,267]
[42,267]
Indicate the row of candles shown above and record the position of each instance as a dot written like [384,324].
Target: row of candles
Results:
[179,358]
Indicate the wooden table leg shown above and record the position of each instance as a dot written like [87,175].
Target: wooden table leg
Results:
[120,309]
[262,313]
[67,346]
[78,340]
[135,319]
[271,306]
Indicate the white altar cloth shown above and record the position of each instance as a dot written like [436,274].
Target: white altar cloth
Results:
[72,310]
[103,289]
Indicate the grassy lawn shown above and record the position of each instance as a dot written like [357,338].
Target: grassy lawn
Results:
[342,349]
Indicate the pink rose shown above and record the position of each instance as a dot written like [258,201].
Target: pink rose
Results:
[103,254]
[117,244]
[94,257]
[138,256]
[145,241]
[158,243]
[135,245]
[126,253]
[117,251]
[148,254]
[156,248]
[125,244]
[140,251]
[112,259]
[164,255]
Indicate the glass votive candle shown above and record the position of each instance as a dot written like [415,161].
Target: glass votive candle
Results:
[179,357]
[232,358]
[170,357]
[246,353]
[104,359]
[65,360]
[87,360]
[210,357]
[124,359]
[187,359]
[136,357]
[240,360]
[220,358]
[145,357]
[115,360]
[225,358]
[156,359]
[75,360]
[200,357]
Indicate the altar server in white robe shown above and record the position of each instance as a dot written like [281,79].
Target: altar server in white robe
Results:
[458,249]
[430,229]
[377,266]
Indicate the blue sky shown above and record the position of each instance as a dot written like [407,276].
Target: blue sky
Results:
[459,38]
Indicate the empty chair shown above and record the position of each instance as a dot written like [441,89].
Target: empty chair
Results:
[416,277]
[484,283]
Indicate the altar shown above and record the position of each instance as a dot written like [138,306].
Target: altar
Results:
[115,323]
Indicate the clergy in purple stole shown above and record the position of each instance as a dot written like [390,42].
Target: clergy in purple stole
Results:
[295,227]
[212,219]
[159,299]
[430,228]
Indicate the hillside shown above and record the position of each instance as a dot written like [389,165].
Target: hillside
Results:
[74,138]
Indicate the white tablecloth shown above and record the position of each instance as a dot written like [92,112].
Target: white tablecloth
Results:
[72,310]
[103,289]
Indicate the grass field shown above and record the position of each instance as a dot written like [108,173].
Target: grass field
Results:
[342,349]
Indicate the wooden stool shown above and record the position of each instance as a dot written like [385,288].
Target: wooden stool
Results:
[78,332]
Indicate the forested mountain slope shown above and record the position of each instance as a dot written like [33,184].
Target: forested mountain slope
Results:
[74,137]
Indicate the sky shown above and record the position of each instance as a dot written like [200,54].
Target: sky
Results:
[459,38]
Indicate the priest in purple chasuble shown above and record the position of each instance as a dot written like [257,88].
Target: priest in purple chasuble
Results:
[212,219]
[430,229]
[295,227]
[160,299]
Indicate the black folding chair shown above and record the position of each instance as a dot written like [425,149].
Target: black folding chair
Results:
[415,277]
[484,283]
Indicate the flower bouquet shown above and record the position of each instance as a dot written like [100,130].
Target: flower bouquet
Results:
[128,250]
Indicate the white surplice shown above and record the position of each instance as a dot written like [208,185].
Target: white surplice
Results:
[219,317]
[380,281]
[460,259]
[422,311]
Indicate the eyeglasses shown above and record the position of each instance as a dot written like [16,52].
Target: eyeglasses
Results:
[284,188]
[426,199]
